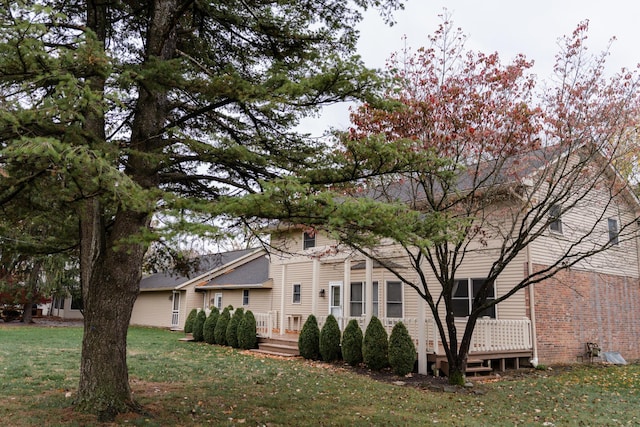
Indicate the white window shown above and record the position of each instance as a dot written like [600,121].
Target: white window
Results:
[297,289]
[555,223]
[309,240]
[245,297]
[613,231]
[463,293]
[375,299]
[218,301]
[358,299]
[394,299]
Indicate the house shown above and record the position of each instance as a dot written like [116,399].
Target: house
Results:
[65,306]
[166,298]
[590,300]
[595,300]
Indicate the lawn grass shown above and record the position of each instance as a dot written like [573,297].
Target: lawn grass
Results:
[198,384]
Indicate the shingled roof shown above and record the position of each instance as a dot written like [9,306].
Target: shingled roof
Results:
[171,280]
[251,274]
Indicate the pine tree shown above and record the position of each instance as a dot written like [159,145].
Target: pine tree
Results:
[352,343]
[375,347]
[309,339]
[247,332]
[198,326]
[402,350]
[330,340]
[188,323]
[220,332]
[209,328]
[232,327]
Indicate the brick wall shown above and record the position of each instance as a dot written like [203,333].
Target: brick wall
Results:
[576,307]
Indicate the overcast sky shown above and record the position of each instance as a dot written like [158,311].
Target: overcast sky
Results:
[508,27]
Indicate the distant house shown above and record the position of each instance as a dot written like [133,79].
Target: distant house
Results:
[64,306]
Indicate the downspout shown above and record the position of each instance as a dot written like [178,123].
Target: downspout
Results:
[532,311]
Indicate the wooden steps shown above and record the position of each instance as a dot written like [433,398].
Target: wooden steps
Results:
[285,347]
[475,367]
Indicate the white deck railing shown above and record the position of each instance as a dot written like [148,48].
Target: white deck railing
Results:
[489,336]
[494,335]
[266,323]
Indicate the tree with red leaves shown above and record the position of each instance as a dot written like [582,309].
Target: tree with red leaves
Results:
[467,165]
[521,157]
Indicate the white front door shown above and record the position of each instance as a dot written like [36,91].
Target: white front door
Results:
[175,310]
[335,300]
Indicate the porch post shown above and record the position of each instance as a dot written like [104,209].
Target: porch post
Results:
[347,290]
[284,291]
[422,339]
[315,280]
[368,291]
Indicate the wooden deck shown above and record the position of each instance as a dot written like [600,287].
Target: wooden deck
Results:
[482,363]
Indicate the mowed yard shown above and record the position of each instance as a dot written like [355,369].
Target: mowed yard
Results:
[182,384]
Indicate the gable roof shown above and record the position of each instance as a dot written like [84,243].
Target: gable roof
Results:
[251,274]
[169,280]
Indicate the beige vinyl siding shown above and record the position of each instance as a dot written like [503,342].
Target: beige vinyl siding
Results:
[153,309]
[621,260]
[299,273]
[476,265]
[259,299]
[189,299]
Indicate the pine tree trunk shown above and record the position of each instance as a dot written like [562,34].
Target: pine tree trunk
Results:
[27,312]
[110,284]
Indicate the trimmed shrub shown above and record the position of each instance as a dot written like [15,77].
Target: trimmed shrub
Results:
[375,346]
[330,340]
[208,332]
[247,332]
[402,351]
[352,343]
[220,332]
[188,324]
[198,326]
[232,327]
[309,339]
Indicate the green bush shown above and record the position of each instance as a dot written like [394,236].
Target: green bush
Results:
[309,339]
[352,343]
[198,326]
[402,351]
[208,332]
[188,324]
[220,332]
[247,332]
[330,340]
[375,347]
[232,327]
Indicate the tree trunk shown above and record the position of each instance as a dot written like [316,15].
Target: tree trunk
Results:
[27,312]
[110,283]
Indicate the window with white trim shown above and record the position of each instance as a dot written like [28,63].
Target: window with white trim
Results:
[463,293]
[375,299]
[245,297]
[297,293]
[614,233]
[394,299]
[218,300]
[555,223]
[359,297]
